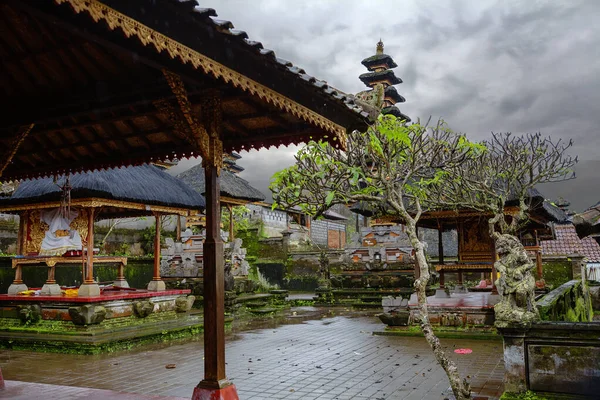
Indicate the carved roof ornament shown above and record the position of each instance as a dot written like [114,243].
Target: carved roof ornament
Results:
[379,50]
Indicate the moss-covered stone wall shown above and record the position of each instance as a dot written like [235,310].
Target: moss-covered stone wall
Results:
[569,302]
[556,271]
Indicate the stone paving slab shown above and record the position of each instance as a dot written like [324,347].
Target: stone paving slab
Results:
[331,358]
[27,391]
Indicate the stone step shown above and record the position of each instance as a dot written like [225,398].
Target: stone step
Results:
[256,304]
[262,311]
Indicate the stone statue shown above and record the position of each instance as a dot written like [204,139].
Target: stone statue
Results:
[516,284]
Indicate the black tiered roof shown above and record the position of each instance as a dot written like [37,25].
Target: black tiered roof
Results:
[371,78]
[395,111]
[379,59]
[392,93]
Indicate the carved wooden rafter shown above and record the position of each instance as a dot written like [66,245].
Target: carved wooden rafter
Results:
[149,37]
[6,158]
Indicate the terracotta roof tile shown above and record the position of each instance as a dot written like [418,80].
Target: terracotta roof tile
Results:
[567,242]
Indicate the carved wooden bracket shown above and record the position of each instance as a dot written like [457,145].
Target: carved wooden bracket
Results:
[7,157]
[203,133]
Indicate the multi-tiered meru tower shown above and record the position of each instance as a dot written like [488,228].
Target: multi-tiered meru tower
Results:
[380,79]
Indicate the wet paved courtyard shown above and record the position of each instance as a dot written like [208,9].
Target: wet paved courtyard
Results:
[330,356]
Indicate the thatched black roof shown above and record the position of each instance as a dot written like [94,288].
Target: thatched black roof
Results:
[231,185]
[146,184]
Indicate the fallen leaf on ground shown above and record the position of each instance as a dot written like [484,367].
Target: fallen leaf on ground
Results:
[170,366]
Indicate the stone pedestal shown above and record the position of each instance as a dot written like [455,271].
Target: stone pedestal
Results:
[515,371]
[441,294]
[577,266]
[89,290]
[15,288]
[156,286]
[51,289]
[460,289]
[226,393]
[121,283]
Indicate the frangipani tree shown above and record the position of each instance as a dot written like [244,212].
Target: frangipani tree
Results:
[392,167]
[507,172]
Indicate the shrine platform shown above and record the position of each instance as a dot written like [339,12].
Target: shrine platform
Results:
[116,319]
[468,314]
[459,310]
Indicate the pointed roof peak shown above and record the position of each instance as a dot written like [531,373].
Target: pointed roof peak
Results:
[379,49]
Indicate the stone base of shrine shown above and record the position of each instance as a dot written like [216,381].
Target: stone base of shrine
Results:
[227,393]
[460,310]
[116,319]
[459,314]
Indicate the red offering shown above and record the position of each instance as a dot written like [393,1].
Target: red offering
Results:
[463,351]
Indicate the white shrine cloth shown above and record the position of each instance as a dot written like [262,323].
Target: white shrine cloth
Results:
[57,245]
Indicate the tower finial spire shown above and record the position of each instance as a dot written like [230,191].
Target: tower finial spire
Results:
[379,47]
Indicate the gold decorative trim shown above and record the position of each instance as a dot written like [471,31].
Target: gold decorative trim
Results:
[96,203]
[14,147]
[147,36]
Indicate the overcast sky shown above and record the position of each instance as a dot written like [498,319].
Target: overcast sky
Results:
[483,66]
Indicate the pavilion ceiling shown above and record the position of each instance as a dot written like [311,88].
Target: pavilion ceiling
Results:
[83,91]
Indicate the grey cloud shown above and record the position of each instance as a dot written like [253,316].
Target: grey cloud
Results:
[518,66]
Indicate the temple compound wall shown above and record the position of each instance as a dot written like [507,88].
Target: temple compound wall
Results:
[328,233]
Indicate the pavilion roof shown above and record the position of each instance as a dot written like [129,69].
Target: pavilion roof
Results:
[541,209]
[147,185]
[588,222]
[233,188]
[89,84]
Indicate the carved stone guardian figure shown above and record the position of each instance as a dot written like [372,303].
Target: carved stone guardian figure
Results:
[516,284]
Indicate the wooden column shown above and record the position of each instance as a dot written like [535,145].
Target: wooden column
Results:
[156,272]
[89,288]
[156,284]
[206,139]
[442,280]
[214,290]
[178,232]
[440,244]
[230,207]
[494,274]
[22,232]
[89,272]
[215,381]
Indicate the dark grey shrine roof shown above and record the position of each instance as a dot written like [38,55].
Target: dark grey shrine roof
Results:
[379,59]
[395,111]
[231,185]
[146,184]
[391,91]
[370,77]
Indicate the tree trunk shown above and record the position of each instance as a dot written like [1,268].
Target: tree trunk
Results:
[460,388]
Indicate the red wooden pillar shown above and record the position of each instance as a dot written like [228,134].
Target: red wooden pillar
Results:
[214,290]
[494,273]
[215,384]
[89,287]
[156,284]
[89,272]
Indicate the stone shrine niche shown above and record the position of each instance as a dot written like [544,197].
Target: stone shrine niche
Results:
[35,229]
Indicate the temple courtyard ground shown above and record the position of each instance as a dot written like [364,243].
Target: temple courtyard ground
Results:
[310,354]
